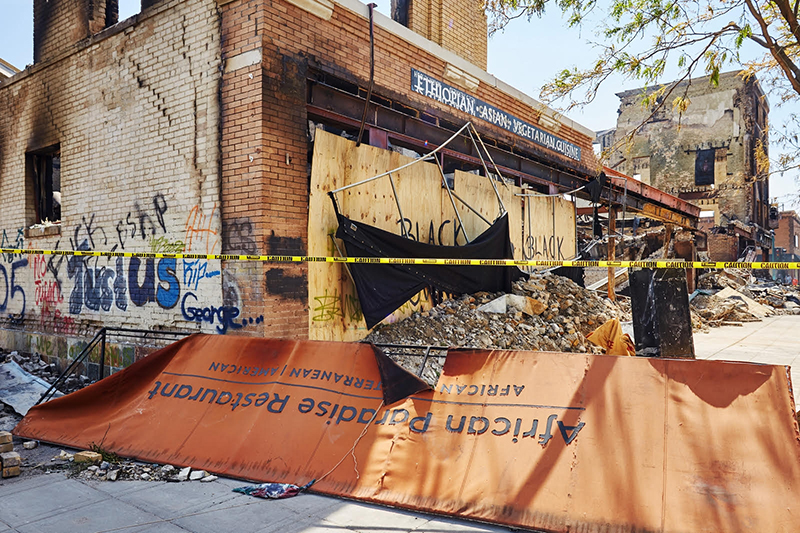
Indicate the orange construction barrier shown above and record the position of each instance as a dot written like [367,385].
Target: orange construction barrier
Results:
[558,442]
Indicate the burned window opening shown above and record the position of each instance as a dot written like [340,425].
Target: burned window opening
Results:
[704,167]
[399,10]
[44,169]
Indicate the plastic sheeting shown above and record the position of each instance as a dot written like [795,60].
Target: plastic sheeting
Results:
[384,288]
[558,442]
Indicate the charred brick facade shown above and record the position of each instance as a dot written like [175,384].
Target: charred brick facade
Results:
[186,128]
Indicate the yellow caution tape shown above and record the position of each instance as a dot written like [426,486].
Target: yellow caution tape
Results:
[772,265]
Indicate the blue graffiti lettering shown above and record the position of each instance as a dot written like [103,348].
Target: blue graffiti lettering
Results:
[225,315]
[13,286]
[195,271]
[168,298]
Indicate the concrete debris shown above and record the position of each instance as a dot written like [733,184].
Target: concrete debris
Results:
[197,475]
[29,445]
[19,387]
[545,313]
[183,475]
[209,479]
[731,297]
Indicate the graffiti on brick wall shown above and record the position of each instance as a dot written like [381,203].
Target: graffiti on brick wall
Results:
[238,237]
[13,239]
[65,295]
[224,318]
[12,295]
[142,223]
[201,235]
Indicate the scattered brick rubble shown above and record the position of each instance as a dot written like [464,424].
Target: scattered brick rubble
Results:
[731,297]
[33,364]
[553,314]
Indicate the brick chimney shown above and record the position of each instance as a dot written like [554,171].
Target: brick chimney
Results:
[457,25]
[59,24]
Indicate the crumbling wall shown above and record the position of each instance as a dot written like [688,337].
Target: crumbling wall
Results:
[61,24]
[720,118]
[722,247]
[135,114]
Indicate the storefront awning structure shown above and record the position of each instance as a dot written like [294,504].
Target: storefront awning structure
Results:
[389,122]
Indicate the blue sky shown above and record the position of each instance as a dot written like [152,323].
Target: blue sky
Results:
[525,56]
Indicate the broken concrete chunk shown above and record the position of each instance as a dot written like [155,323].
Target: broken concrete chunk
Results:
[166,469]
[183,475]
[197,474]
[29,445]
[88,457]
[145,476]
[514,303]
[112,475]
[8,459]
[209,478]
[498,305]
[93,468]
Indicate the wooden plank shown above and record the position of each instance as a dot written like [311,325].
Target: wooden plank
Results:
[334,310]
[549,228]
[477,191]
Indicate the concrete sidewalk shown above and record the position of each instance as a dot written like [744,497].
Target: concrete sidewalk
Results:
[53,503]
[771,341]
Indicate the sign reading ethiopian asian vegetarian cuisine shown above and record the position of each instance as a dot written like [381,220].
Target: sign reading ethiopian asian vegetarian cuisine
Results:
[441,92]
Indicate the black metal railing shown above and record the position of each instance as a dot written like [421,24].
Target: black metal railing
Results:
[141,336]
[412,350]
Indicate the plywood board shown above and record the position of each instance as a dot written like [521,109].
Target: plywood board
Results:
[477,191]
[334,310]
[549,228]
[427,216]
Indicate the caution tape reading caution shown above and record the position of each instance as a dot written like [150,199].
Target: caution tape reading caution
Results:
[772,265]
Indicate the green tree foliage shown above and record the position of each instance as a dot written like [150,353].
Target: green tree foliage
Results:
[641,38]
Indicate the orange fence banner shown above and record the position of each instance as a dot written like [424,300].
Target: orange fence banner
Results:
[557,442]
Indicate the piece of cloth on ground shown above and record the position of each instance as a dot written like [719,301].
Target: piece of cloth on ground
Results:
[611,337]
[273,491]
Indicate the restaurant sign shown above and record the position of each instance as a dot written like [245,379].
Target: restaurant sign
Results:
[441,92]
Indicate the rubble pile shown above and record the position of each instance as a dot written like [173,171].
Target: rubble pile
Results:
[35,365]
[545,313]
[135,470]
[733,296]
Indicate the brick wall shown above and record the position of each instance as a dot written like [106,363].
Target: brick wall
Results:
[185,128]
[265,165]
[788,227]
[135,112]
[723,247]
[59,24]
[457,25]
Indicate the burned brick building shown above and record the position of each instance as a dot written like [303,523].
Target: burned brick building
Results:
[191,127]
[707,155]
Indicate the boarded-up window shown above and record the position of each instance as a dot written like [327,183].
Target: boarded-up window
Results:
[704,167]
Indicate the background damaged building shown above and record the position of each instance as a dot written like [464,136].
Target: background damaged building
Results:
[707,155]
[191,127]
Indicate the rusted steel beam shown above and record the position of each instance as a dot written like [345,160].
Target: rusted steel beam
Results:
[331,104]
